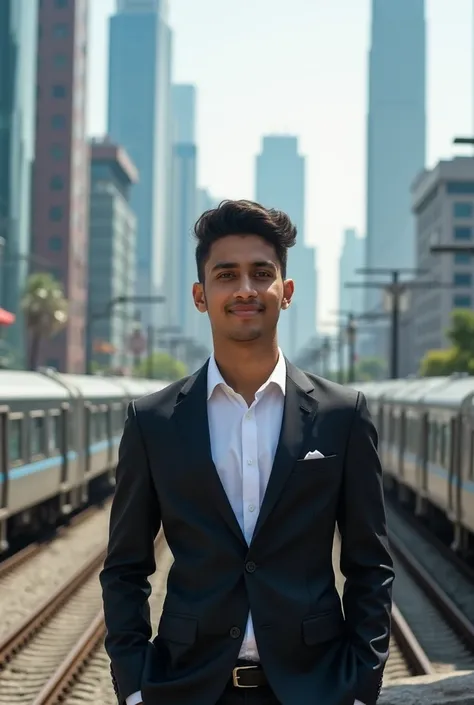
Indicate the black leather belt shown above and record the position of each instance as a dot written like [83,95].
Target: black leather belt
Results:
[248,676]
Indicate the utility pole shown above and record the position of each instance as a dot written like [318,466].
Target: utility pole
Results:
[108,313]
[350,331]
[395,289]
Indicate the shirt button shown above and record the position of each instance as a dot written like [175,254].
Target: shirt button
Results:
[248,415]
[250,567]
[249,462]
[235,632]
[251,507]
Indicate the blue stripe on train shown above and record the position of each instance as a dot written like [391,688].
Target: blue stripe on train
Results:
[435,469]
[48,463]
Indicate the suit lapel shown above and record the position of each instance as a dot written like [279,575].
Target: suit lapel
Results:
[298,417]
[190,417]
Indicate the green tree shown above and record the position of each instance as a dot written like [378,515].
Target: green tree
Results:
[162,366]
[45,308]
[370,368]
[460,356]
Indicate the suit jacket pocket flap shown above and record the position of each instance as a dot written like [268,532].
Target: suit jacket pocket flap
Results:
[316,464]
[323,627]
[178,628]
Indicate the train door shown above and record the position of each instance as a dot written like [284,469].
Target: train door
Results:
[4,468]
[64,441]
[110,413]
[402,437]
[88,436]
[422,455]
[452,461]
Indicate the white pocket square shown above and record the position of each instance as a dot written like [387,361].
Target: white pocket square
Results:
[313,454]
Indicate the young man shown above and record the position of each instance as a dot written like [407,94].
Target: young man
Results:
[248,465]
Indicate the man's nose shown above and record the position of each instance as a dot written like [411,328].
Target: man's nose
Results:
[246,288]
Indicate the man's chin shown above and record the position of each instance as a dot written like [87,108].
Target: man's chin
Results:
[245,336]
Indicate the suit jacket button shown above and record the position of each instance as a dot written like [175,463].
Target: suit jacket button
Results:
[235,632]
[250,567]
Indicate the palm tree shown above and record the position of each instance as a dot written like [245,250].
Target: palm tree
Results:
[45,308]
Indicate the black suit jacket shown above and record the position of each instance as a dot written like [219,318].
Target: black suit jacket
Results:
[310,652]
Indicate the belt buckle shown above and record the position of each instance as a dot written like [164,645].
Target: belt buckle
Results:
[235,676]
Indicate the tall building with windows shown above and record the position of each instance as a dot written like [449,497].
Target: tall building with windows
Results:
[18,46]
[61,171]
[139,119]
[396,136]
[112,234]
[443,204]
[280,183]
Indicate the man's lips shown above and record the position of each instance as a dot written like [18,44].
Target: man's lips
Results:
[246,311]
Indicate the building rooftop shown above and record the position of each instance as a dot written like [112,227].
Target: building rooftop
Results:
[457,169]
[105,150]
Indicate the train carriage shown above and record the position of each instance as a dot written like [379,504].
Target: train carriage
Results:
[426,432]
[35,451]
[59,435]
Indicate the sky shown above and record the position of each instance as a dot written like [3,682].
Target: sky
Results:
[297,67]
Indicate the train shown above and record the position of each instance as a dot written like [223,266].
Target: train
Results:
[426,444]
[59,439]
[60,433]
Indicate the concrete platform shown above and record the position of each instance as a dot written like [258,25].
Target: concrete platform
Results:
[447,689]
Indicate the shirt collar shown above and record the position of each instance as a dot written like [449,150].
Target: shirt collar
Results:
[278,376]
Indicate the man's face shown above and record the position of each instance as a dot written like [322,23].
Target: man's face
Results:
[243,290]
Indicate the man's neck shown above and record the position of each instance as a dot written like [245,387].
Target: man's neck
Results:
[246,368]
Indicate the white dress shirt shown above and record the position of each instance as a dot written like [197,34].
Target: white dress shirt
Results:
[244,440]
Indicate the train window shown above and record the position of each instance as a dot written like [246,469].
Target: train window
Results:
[98,426]
[71,431]
[413,433]
[433,441]
[55,433]
[119,420]
[15,437]
[445,458]
[37,428]
[471,458]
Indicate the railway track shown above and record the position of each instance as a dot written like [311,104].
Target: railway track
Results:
[57,655]
[20,558]
[435,596]
[33,649]
[28,577]
[78,669]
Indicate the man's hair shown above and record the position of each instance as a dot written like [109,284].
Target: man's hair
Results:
[243,218]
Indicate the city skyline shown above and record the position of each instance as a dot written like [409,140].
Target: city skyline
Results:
[333,139]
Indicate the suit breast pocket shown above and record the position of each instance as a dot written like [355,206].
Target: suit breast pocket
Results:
[317,466]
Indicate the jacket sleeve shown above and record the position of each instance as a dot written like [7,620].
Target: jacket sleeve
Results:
[365,559]
[134,524]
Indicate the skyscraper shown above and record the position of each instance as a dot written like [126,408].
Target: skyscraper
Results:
[18,41]
[112,247]
[280,183]
[396,137]
[61,171]
[179,261]
[396,128]
[351,259]
[139,119]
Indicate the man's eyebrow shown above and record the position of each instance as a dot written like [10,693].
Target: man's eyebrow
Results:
[235,265]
